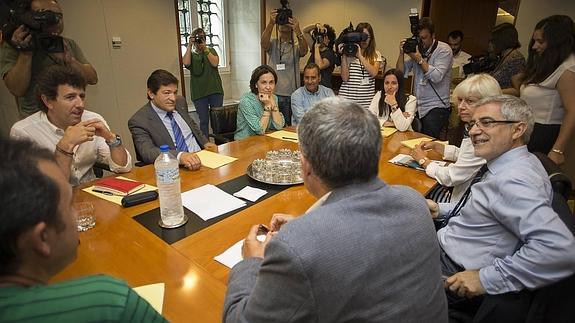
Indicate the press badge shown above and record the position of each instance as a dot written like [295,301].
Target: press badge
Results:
[280,67]
[365,81]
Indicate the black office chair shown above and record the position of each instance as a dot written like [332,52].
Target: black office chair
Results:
[99,169]
[559,180]
[553,303]
[416,124]
[223,120]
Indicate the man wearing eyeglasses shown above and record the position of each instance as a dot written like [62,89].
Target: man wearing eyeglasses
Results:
[503,236]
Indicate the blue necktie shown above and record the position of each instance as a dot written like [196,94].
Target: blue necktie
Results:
[178,136]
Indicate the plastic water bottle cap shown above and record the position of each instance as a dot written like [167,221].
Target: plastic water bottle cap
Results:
[164,148]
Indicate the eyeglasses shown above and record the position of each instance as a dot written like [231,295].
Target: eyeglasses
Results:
[487,123]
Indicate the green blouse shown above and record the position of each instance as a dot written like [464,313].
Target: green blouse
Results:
[250,113]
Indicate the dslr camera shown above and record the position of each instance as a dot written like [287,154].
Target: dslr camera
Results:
[480,64]
[411,43]
[350,40]
[199,39]
[318,36]
[14,13]
[284,13]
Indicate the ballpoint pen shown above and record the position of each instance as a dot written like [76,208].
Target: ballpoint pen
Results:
[290,138]
[106,192]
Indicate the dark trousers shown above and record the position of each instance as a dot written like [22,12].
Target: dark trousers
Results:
[485,308]
[448,269]
[434,121]
[543,137]
[203,106]
[284,104]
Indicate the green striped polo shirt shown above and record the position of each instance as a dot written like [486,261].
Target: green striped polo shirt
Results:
[90,299]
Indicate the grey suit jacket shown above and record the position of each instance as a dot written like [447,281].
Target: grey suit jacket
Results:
[368,254]
[149,132]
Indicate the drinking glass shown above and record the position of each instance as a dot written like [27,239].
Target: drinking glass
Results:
[85,216]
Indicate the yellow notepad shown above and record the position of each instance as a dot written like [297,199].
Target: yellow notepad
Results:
[388,131]
[214,160]
[284,135]
[116,198]
[414,142]
[154,294]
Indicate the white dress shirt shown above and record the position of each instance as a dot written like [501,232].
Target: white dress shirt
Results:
[39,129]
[399,120]
[458,174]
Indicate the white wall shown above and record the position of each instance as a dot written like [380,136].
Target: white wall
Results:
[244,34]
[531,11]
[149,41]
[387,17]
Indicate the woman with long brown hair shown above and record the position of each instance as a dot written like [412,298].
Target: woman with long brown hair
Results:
[358,72]
[393,106]
[547,85]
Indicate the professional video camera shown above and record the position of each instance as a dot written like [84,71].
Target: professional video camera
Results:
[480,64]
[284,13]
[411,43]
[319,36]
[350,39]
[14,13]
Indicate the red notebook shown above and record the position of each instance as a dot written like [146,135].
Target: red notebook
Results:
[117,186]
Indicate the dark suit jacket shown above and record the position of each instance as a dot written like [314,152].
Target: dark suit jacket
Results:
[368,254]
[149,133]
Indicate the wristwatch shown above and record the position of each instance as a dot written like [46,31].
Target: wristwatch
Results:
[117,142]
[422,161]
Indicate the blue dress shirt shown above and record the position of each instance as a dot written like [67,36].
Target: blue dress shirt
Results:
[302,100]
[438,75]
[508,229]
[191,141]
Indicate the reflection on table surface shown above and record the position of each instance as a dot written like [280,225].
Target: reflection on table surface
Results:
[195,283]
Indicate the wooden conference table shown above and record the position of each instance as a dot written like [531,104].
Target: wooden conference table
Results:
[195,283]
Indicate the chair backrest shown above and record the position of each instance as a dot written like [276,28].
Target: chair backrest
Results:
[223,119]
[559,180]
[181,102]
[416,124]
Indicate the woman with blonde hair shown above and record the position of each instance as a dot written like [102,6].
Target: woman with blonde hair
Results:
[459,174]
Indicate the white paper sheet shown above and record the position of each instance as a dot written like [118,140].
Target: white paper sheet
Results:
[250,193]
[209,201]
[233,254]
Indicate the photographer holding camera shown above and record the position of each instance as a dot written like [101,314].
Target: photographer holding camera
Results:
[431,62]
[322,36]
[359,66]
[24,58]
[507,59]
[284,54]
[206,88]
